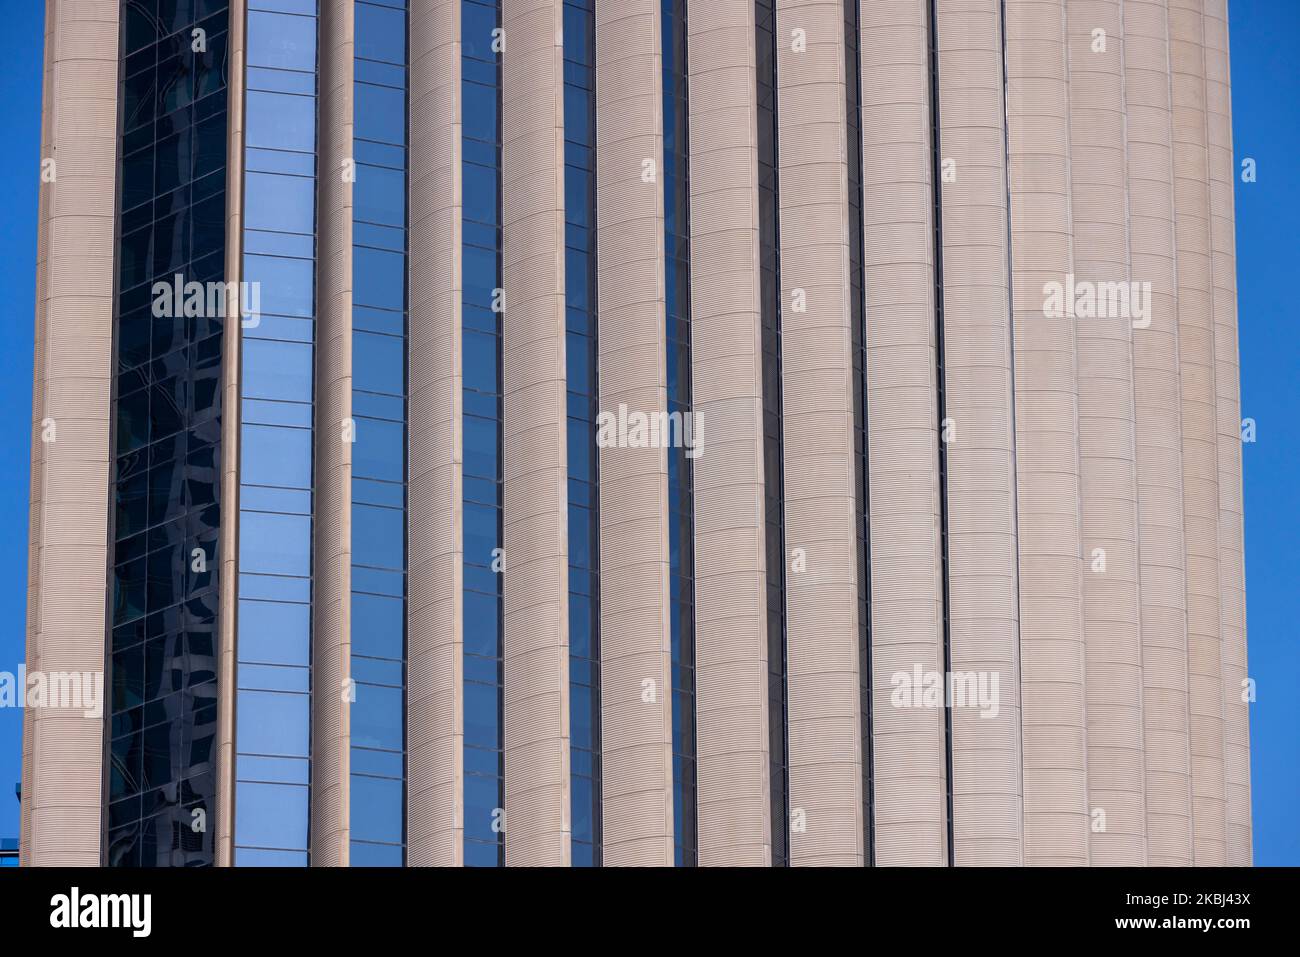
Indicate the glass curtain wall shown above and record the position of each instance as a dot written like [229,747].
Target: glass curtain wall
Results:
[379,354]
[273,702]
[481,311]
[160,775]
[580,346]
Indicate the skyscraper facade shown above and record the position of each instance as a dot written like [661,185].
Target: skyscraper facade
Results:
[637,432]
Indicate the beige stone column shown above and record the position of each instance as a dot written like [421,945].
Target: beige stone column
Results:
[536,585]
[635,640]
[1232,581]
[231,416]
[62,797]
[1107,438]
[910,746]
[1197,370]
[435,719]
[1158,430]
[331,726]
[982,545]
[1047,387]
[817,385]
[733,772]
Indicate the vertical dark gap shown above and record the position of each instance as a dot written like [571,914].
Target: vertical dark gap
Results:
[936,185]
[773,452]
[681,532]
[110,552]
[1011,346]
[861,438]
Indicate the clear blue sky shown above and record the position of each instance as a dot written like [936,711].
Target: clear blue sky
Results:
[1265,69]
[21,48]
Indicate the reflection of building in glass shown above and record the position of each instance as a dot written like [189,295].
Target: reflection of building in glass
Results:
[369,587]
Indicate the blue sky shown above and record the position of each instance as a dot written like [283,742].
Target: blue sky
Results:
[1265,68]
[21,43]
[1265,38]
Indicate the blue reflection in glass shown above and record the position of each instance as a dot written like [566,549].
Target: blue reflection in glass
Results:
[377,536]
[282,42]
[273,727]
[379,355]
[383,625]
[481,433]
[256,857]
[380,113]
[275,456]
[378,363]
[286,286]
[379,450]
[275,723]
[380,33]
[285,204]
[275,544]
[271,816]
[278,370]
[377,720]
[380,197]
[378,275]
[280,121]
[366,854]
[274,632]
[580,301]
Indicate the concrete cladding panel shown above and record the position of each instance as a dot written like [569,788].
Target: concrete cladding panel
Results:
[817,383]
[726,385]
[1107,437]
[332,539]
[535,518]
[1200,428]
[63,748]
[1158,431]
[910,746]
[228,611]
[1047,420]
[982,548]
[435,630]
[635,640]
[1232,572]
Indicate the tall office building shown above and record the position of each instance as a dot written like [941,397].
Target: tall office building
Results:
[637,432]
